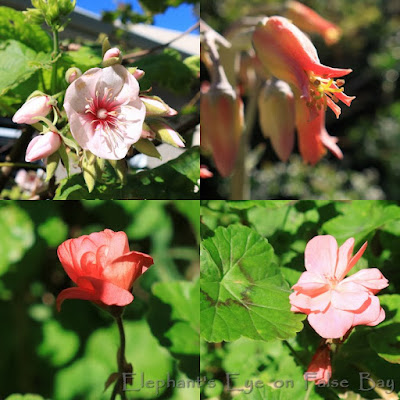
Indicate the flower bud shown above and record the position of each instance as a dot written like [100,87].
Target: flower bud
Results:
[277,116]
[147,133]
[309,21]
[35,107]
[112,56]
[205,173]
[320,368]
[66,7]
[155,107]
[42,146]
[221,121]
[72,74]
[165,133]
[136,72]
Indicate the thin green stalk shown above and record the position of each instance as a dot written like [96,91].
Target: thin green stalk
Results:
[19,165]
[309,390]
[56,50]
[118,388]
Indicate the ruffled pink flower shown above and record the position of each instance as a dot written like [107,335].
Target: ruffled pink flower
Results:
[320,368]
[334,304]
[105,112]
[288,54]
[103,268]
[42,146]
[37,106]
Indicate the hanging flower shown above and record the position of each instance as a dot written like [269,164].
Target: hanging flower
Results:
[320,368]
[309,21]
[103,268]
[105,112]
[313,137]
[334,304]
[288,54]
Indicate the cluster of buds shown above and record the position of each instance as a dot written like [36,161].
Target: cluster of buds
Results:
[53,12]
[36,109]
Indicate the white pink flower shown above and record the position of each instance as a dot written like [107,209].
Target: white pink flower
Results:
[105,112]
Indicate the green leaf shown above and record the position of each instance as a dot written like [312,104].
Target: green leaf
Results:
[51,166]
[168,70]
[176,179]
[17,235]
[388,330]
[58,345]
[243,292]
[246,204]
[360,219]
[54,231]
[181,333]
[26,396]
[13,26]
[84,58]
[85,377]
[64,157]
[21,60]
[191,210]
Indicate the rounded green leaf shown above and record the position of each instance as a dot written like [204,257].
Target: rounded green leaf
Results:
[17,235]
[242,290]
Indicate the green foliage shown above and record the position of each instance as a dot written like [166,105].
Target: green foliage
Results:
[22,60]
[168,70]
[17,235]
[242,290]
[278,366]
[174,180]
[13,26]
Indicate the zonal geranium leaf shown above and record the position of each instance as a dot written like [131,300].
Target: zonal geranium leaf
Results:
[242,290]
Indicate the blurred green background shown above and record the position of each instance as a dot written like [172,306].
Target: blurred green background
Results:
[69,355]
[368,131]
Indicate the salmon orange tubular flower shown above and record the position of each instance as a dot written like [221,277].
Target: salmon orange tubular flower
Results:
[288,54]
[320,368]
[221,121]
[105,112]
[277,116]
[309,21]
[102,267]
[313,137]
[335,304]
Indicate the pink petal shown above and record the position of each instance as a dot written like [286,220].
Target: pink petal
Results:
[344,256]
[370,278]
[75,293]
[370,313]
[67,259]
[380,318]
[309,304]
[355,258]
[310,284]
[330,143]
[320,255]
[332,323]
[124,270]
[344,300]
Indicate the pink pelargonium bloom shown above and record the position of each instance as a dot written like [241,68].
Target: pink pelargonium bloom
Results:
[287,53]
[334,304]
[105,112]
[320,368]
[103,268]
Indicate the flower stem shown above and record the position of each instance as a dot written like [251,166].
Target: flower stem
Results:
[118,388]
[56,50]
